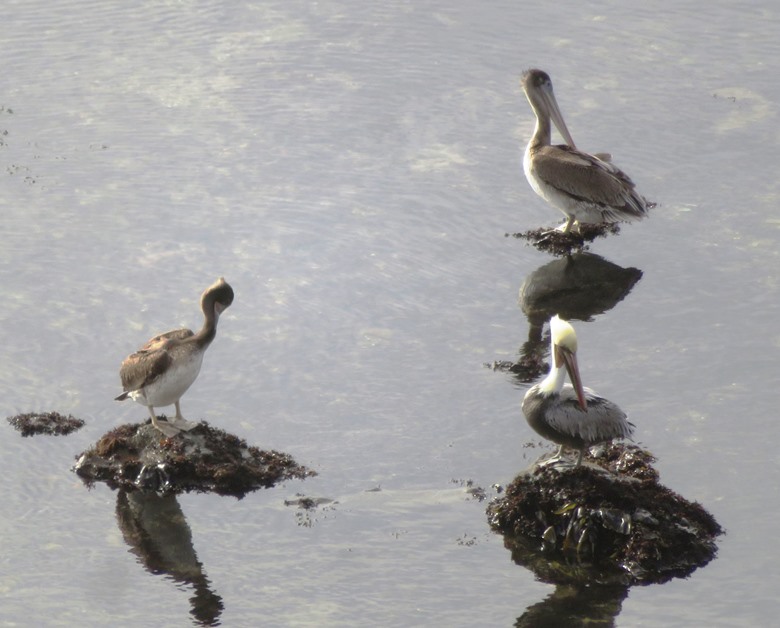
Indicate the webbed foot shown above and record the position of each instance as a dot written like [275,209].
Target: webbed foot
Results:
[166,427]
[182,424]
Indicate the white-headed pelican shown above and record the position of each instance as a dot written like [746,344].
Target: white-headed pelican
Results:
[568,414]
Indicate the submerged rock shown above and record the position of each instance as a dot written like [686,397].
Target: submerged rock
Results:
[205,459]
[610,522]
[307,508]
[52,423]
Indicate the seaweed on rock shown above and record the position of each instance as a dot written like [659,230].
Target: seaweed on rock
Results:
[205,459]
[610,524]
[52,423]
[559,243]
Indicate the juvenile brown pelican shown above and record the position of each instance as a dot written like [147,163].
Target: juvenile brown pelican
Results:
[161,371]
[586,188]
[570,415]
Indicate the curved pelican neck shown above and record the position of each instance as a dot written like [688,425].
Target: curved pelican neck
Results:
[208,332]
[542,131]
[553,383]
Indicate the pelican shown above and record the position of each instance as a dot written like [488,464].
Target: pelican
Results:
[161,371]
[568,414]
[586,188]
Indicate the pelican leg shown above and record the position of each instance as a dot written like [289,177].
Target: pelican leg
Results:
[579,458]
[180,422]
[166,428]
[566,228]
[563,228]
[556,458]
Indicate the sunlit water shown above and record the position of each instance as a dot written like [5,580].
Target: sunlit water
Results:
[352,171]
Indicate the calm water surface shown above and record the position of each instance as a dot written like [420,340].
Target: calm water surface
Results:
[352,171]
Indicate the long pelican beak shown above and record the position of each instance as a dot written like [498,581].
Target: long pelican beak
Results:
[568,358]
[551,106]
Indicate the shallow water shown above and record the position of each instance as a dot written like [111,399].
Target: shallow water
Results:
[352,171]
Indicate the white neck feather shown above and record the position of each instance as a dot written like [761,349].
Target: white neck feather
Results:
[553,383]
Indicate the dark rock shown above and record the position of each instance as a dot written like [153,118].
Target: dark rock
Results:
[205,459]
[608,521]
[48,423]
[559,243]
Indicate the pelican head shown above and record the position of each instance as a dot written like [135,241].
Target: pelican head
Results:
[539,92]
[564,349]
[218,296]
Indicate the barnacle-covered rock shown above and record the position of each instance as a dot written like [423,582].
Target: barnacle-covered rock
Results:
[205,459]
[610,522]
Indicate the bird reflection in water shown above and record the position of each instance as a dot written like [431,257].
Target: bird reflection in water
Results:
[578,287]
[156,530]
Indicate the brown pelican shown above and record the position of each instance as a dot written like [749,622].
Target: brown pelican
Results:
[161,371]
[570,415]
[586,188]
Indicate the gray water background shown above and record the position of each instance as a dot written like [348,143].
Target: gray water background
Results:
[352,169]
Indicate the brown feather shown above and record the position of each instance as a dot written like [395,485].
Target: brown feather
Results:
[585,177]
[144,366]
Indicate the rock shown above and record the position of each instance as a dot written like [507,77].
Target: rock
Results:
[559,243]
[205,459]
[609,522]
[52,423]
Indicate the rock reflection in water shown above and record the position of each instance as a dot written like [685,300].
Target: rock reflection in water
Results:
[156,530]
[574,606]
[571,604]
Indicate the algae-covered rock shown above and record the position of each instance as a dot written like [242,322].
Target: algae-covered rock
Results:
[205,459]
[610,522]
[559,243]
[52,423]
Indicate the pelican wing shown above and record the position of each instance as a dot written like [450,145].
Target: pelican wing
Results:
[144,367]
[589,179]
[150,361]
[602,421]
[162,339]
